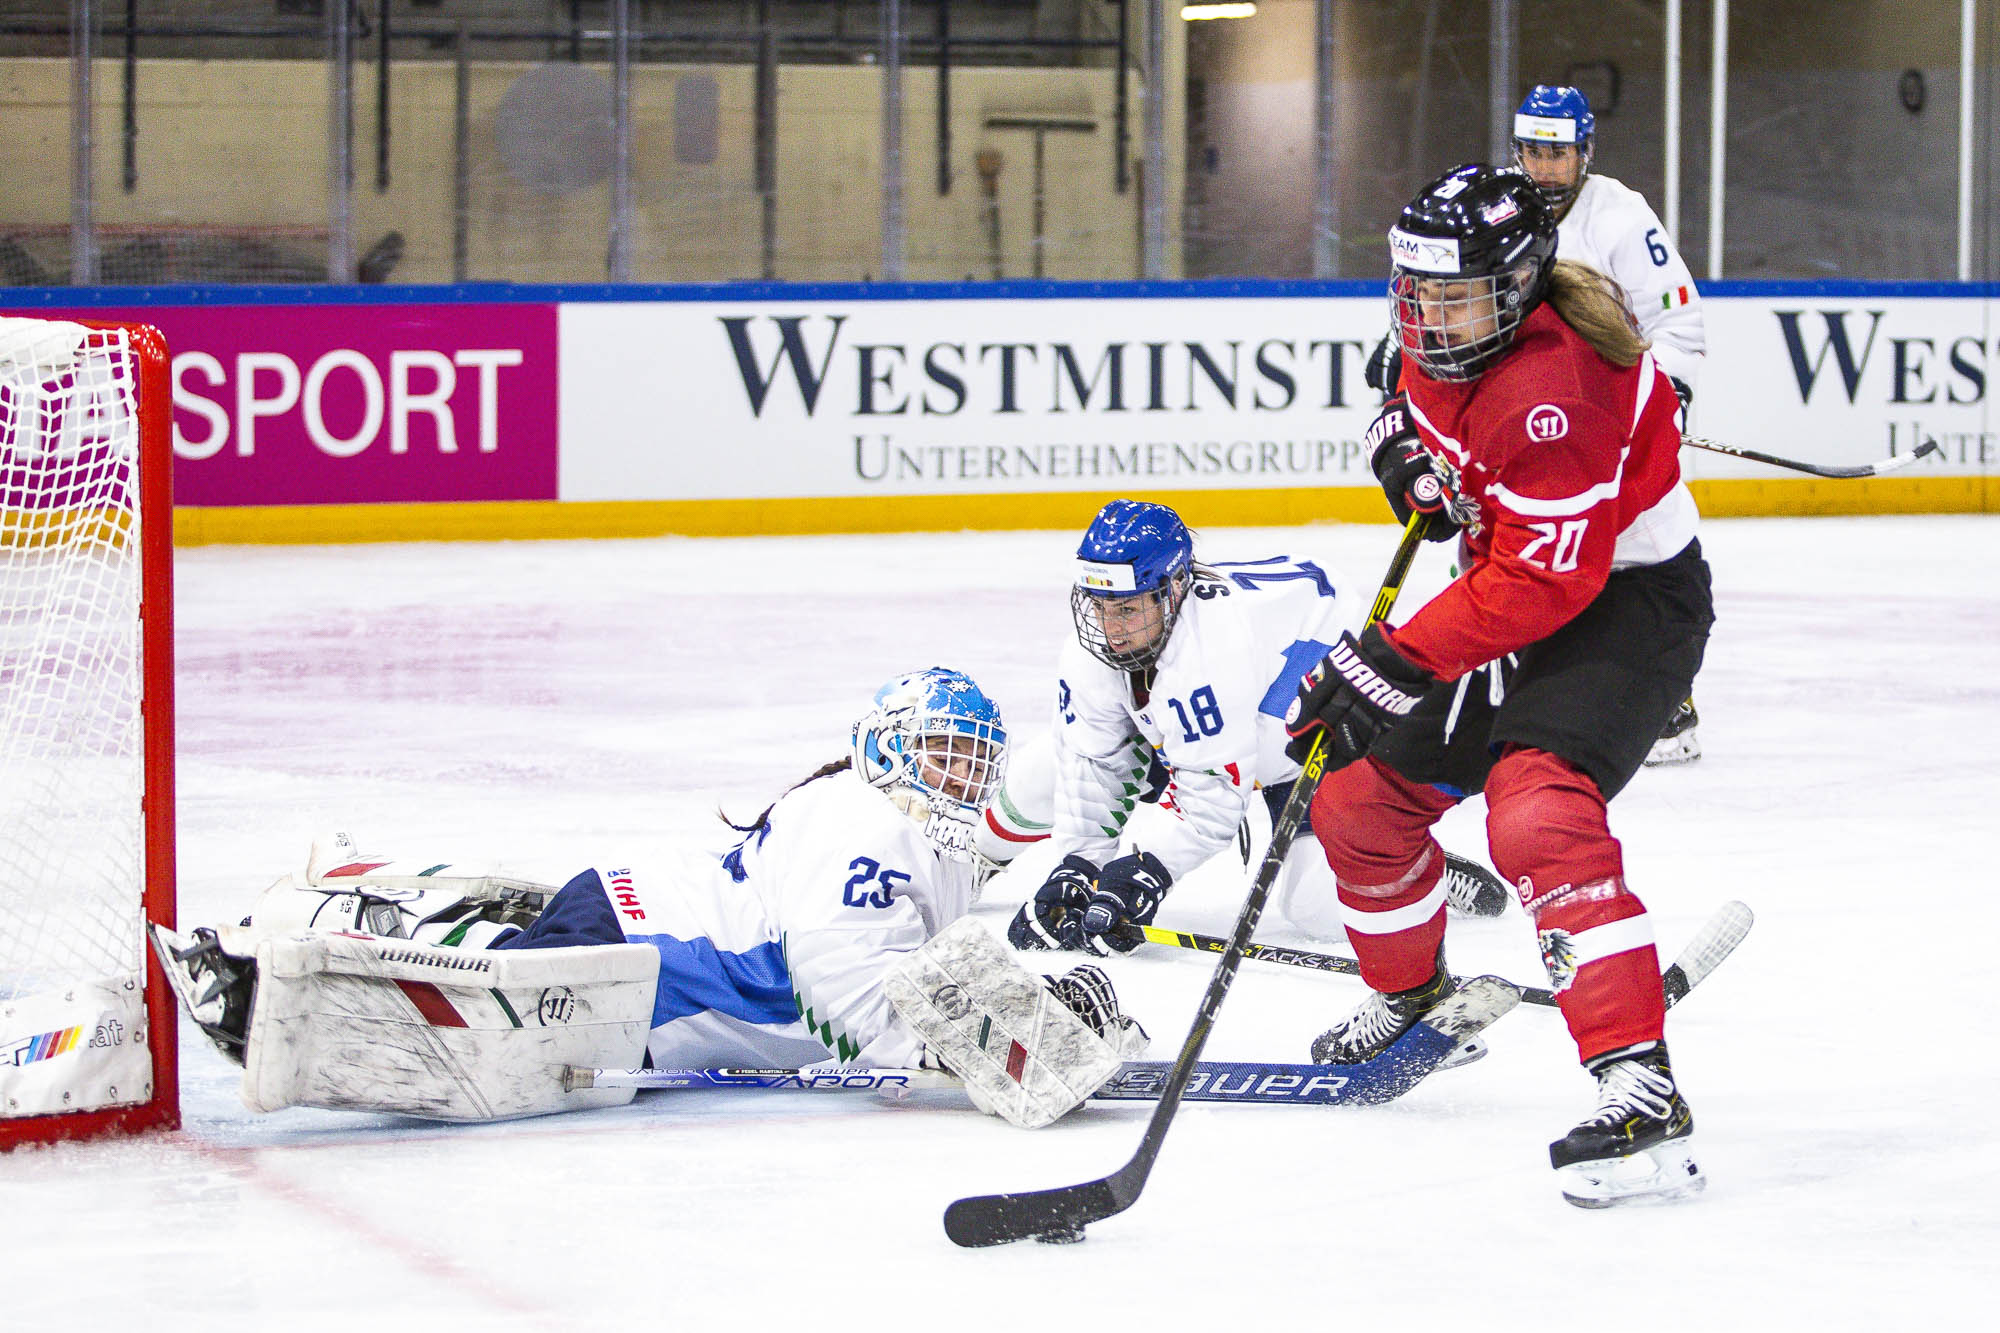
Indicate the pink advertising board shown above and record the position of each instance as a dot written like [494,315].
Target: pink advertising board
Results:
[352,404]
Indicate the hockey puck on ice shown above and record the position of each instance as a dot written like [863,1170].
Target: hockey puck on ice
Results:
[1060,1236]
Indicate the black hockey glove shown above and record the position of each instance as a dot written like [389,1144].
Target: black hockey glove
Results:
[1128,891]
[1357,692]
[1385,365]
[1405,469]
[1056,910]
[1681,391]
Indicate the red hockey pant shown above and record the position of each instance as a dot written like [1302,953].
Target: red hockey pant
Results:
[1546,830]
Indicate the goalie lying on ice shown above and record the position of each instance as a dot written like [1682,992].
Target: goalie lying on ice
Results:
[832,931]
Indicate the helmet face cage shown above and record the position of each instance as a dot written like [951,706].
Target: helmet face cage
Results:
[1555,117]
[1134,566]
[1455,327]
[1471,256]
[1128,632]
[935,743]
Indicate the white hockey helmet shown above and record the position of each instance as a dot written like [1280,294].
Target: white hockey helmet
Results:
[935,744]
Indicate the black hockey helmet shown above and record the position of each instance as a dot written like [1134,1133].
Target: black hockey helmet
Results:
[1470,257]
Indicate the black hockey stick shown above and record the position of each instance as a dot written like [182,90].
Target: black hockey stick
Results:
[1890,464]
[1717,938]
[1062,1213]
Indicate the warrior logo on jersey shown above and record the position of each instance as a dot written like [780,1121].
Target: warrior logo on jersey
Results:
[1547,422]
[1558,958]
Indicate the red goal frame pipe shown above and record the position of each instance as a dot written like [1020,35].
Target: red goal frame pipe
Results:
[156,646]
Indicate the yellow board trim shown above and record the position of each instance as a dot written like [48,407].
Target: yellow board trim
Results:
[513,520]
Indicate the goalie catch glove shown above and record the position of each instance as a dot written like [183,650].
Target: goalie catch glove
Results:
[1406,470]
[1050,919]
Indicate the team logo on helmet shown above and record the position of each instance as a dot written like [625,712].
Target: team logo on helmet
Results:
[1558,958]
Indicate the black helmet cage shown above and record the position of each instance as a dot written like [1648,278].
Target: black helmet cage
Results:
[1471,256]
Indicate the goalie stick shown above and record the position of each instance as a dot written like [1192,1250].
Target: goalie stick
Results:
[1890,464]
[1715,941]
[1061,1214]
[1415,1056]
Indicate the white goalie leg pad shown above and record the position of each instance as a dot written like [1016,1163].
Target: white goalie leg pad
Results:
[351,1023]
[1022,1054]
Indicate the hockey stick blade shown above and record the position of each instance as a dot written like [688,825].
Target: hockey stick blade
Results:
[1061,1214]
[1887,465]
[1715,941]
[1718,936]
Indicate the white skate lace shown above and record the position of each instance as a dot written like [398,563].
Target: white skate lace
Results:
[1628,1087]
[1460,889]
[1373,1024]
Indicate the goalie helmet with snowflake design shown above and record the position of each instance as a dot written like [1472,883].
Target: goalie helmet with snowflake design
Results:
[934,742]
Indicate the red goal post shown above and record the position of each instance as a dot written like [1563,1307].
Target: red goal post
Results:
[87,1026]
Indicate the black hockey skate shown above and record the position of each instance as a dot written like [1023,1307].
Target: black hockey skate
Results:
[1472,889]
[215,988]
[1636,1145]
[1678,743]
[1381,1018]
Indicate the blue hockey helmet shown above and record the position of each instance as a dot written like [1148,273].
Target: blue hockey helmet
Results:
[1552,121]
[1470,256]
[934,743]
[1134,566]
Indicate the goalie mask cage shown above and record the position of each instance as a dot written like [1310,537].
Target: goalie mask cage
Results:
[87,1032]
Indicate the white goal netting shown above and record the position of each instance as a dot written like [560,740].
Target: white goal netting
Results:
[72,749]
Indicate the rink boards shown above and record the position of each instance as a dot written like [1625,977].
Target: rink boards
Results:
[358,413]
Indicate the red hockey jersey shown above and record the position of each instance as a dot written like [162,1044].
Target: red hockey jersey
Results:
[1569,467]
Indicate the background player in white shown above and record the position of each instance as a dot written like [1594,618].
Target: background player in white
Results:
[773,954]
[1174,687]
[1604,223]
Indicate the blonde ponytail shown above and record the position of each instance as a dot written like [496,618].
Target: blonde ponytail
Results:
[1593,305]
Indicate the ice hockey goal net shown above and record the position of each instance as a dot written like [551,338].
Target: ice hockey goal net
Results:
[86,730]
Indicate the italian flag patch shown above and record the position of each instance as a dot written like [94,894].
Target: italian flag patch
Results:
[1676,296]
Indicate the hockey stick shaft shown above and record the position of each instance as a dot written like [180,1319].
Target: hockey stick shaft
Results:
[1890,464]
[1277,1084]
[1718,936]
[998,1218]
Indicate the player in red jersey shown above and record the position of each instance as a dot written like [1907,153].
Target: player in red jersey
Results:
[1534,423]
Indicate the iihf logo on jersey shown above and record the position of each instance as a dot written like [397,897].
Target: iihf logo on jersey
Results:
[1558,957]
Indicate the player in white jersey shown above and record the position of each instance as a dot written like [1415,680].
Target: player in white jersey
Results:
[1607,225]
[1181,671]
[777,953]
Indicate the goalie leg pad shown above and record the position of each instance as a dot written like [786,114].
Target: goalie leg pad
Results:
[1024,1056]
[351,1023]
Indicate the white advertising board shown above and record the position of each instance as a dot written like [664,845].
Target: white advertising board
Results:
[720,399]
[756,398]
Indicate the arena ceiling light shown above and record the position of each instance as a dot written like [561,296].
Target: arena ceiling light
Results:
[1196,13]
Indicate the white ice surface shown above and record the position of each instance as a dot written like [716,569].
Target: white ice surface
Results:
[559,704]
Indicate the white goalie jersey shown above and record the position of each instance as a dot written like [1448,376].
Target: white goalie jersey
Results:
[775,954]
[1212,711]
